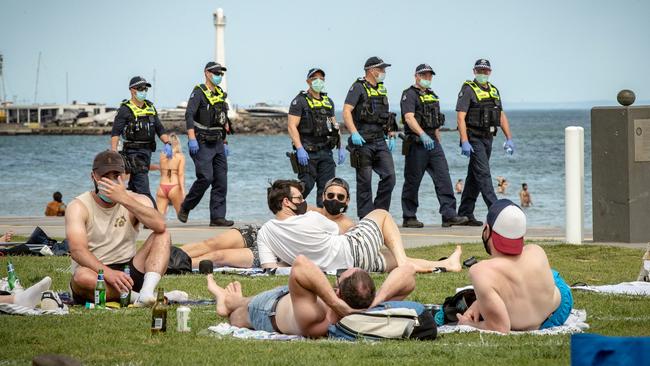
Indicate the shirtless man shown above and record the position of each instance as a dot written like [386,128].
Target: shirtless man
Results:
[312,304]
[524,196]
[237,247]
[516,288]
[295,231]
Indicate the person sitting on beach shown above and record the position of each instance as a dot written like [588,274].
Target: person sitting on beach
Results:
[524,196]
[172,178]
[102,226]
[312,304]
[55,207]
[295,231]
[516,288]
[238,247]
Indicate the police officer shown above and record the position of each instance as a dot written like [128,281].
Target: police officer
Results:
[207,124]
[314,132]
[367,117]
[423,151]
[479,114]
[138,123]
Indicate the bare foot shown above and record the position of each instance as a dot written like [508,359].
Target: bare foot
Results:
[234,296]
[453,262]
[219,295]
[237,288]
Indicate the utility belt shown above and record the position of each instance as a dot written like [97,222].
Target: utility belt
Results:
[483,134]
[134,164]
[210,137]
[484,119]
[358,159]
[297,168]
[316,147]
[149,145]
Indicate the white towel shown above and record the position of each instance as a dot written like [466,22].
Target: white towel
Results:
[625,288]
[227,330]
[574,324]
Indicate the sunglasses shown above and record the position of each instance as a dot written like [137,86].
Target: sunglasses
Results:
[339,196]
[142,88]
[299,198]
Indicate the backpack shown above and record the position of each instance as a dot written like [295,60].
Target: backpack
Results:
[457,304]
[179,261]
[388,320]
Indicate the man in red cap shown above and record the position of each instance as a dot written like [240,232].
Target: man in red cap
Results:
[516,288]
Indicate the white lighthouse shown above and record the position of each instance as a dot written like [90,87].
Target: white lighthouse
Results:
[220,49]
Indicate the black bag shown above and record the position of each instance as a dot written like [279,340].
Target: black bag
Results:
[179,262]
[458,304]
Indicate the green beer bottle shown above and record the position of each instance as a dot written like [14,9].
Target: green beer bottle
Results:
[159,314]
[100,291]
[11,275]
[125,297]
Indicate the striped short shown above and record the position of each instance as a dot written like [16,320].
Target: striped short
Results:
[366,241]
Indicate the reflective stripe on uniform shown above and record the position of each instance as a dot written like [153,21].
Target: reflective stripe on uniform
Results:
[213,97]
[147,110]
[482,94]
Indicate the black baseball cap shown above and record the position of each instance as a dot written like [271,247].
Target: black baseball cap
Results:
[314,70]
[482,64]
[422,68]
[374,61]
[138,81]
[214,67]
[108,161]
[338,182]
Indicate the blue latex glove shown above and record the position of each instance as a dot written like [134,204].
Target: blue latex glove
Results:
[466,148]
[303,157]
[168,150]
[193,145]
[391,144]
[341,155]
[427,141]
[357,139]
[509,147]
[226,150]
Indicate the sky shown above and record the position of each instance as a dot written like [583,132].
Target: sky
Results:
[551,54]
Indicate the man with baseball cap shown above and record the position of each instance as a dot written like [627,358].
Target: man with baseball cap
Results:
[206,119]
[423,152]
[138,123]
[102,226]
[478,114]
[314,133]
[516,288]
[368,118]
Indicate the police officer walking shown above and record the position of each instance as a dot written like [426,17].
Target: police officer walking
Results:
[367,117]
[479,114]
[138,123]
[422,121]
[207,124]
[314,132]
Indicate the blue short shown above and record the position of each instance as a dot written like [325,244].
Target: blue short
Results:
[262,308]
[561,314]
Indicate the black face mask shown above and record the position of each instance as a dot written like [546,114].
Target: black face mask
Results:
[335,207]
[485,241]
[300,209]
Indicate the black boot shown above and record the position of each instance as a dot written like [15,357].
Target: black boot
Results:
[456,220]
[412,222]
[221,222]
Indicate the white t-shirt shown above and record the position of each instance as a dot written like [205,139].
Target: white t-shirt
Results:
[312,235]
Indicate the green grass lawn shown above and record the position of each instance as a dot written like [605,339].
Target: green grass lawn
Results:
[123,336]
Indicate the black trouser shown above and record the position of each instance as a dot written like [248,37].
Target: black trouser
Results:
[417,161]
[479,179]
[321,169]
[211,167]
[375,151]
[139,182]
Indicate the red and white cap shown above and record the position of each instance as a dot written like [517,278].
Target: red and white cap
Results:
[508,225]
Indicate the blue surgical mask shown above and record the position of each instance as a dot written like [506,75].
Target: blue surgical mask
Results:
[101,195]
[216,79]
[426,84]
[380,78]
[141,95]
[482,78]
[317,85]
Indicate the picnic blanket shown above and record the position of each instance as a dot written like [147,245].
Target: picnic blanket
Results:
[13,309]
[256,272]
[624,288]
[227,330]
[576,323]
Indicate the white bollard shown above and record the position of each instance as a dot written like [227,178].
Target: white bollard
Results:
[574,159]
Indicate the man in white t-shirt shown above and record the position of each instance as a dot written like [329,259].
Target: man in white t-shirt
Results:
[294,232]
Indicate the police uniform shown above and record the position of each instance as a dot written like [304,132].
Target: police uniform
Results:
[483,107]
[318,136]
[426,108]
[138,127]
[373,121]
[207,114]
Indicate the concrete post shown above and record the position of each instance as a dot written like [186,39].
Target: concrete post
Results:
[574,159]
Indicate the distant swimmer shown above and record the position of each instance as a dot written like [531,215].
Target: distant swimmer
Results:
[56,207]
[502,185]
[524,196]
[459,186]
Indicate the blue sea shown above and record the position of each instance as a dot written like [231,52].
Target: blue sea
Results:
[33,167]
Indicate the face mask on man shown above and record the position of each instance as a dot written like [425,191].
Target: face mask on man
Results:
[335,207]
[317,85]
[300,209]
[141,95]
[485,240]
[482,78]
[216,79]
[426,84]
[102,196]
[380,77]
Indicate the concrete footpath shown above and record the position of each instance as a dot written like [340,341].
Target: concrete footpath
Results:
[199,230]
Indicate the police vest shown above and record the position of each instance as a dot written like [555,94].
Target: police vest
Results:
[315,126]
[142,129]
[212,120]
[484,115]
[427,112]
[371,114]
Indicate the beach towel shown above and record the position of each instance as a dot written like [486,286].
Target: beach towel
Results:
[256,272]
[624,288]
[227,330]
[13,309]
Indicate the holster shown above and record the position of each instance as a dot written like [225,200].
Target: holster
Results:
[358,159]
[133,165]
[209,139]
[297,168]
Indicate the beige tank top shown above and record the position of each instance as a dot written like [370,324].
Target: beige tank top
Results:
[111,236]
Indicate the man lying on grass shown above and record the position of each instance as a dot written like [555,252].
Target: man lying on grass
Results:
[516,288]
[102,226]
[312,304]
[296,231]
